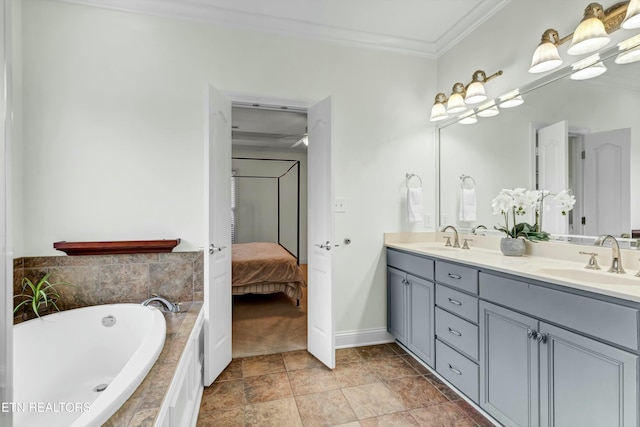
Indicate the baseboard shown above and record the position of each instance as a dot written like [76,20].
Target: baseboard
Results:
[363,337]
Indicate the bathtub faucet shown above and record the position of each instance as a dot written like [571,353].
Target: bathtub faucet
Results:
[173,308]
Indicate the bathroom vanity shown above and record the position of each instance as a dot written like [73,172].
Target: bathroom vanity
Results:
[520,336]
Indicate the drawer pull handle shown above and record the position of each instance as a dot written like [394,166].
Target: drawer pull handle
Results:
[454,370]
[454,332]
[454,302]
[454,276]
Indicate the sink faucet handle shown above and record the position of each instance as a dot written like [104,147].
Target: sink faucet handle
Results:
[592,264]
[448,243]
[465,243]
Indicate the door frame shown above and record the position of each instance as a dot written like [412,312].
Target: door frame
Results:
[243,98]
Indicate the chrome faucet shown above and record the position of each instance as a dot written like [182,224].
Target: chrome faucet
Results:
[475,229]
[616,264]
[456,242]
[173,308]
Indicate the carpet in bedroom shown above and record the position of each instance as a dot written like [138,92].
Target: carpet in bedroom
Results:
[268,324]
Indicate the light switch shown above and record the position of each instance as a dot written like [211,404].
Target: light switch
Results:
[340,205]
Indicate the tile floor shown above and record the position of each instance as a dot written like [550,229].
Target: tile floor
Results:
[370,386]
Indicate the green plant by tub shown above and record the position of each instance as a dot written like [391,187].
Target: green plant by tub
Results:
[40,297]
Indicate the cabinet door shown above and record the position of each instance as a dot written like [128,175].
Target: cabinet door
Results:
[508,366]
[585,382]
[421,318]
[397,304]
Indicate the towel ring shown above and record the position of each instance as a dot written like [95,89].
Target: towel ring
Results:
[463,182]
[413,175]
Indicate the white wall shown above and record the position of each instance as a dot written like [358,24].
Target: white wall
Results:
[114,130]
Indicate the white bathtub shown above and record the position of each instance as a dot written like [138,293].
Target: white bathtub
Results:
[61,358]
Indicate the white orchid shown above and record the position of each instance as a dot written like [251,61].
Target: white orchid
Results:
[565,200]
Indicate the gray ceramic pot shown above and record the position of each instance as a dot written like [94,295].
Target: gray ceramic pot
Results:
[512,247]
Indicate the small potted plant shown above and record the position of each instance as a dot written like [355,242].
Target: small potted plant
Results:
[38,298]
[516,202]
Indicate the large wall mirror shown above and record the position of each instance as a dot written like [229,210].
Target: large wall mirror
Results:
[564,118]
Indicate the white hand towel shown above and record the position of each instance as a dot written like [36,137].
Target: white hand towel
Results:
[468,205]
[414,204]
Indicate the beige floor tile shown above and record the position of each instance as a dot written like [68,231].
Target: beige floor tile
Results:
[324,409]
[262,365]
[315,380]
[372,400]
[442,415]
[224,417]
[295,360]
[388,368]
[395,347]
[232,372]
[264,388]
[472,413]
[224,395]
[416,392]
[347,355]
[375,351]
[353,374]
[276,413]
[399,419]
[416,365]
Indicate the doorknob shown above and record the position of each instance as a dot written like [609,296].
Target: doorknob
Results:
[213,248]
[326,245]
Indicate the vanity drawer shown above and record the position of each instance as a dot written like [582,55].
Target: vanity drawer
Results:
[460,277]
[421,267]
[458,370]
[457,332]
[608,321]
[456,302]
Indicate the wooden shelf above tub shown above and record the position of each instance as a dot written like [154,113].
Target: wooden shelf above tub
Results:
[117,247]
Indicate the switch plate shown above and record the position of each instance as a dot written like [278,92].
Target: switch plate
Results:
[340,205]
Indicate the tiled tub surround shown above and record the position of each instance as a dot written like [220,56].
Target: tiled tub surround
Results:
[108,279]
[144,405]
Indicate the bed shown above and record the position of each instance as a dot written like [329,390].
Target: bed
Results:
[265,268]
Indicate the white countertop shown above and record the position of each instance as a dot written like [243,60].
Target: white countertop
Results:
[552,269]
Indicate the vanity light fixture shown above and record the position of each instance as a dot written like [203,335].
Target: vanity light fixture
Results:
[489,109]
[439,111]
[629,50]
[511,99]
[468,118]
[591,35]
[475,91]
[588,68]
[632,18]
[456,104]
[461,96]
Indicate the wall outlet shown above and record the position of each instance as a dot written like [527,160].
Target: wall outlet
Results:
[340,205]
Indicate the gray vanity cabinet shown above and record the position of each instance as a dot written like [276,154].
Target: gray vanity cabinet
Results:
[584,382]
[508,366]
[533,373]
[410,303]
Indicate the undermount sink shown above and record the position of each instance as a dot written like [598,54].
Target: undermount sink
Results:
[441,248]
[592,276]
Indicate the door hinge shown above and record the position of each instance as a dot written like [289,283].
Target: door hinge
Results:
[584,220]
[583,155]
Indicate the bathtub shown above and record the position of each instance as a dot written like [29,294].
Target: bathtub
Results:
[77,367]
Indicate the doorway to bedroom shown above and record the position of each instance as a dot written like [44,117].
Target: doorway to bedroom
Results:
[269,229]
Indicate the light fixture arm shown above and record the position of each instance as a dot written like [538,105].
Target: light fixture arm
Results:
[481,76]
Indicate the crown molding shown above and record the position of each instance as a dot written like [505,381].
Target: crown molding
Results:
[198,10]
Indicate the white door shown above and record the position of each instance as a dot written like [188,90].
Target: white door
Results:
[217,259]
[553,173]
[607,192]
[320,321]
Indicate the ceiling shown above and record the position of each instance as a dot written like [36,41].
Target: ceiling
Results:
[418,27]
[425,28]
